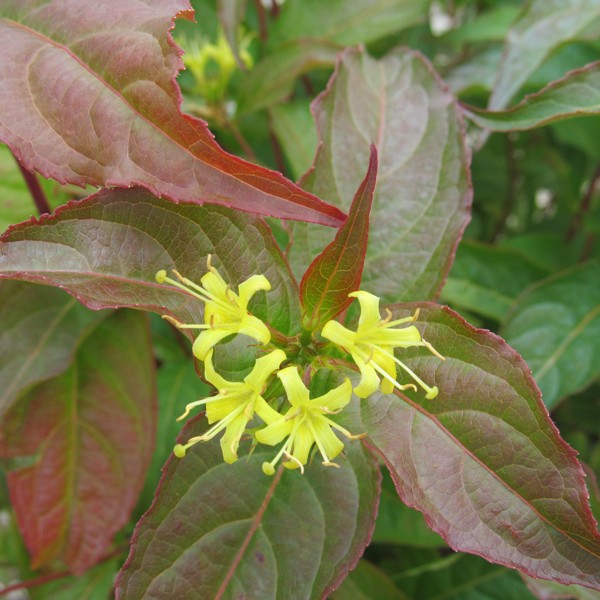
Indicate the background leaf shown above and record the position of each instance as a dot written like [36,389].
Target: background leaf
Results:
[70,113]
[576,94]
[482,460]
[80,444]
[555,326]
[219,530]
[422,200]
[106,250]
[542,26]
[367,582]
[40,330]
[487,279]
[337,271]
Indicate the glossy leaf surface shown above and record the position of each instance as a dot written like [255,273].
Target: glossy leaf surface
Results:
[487,280]
[367,582]
[577,94]
[483,461]
[542,26]
[40,330]
[421,204]
[89,97]
[555,326]
[337,271]
[106,250]
[225,531]
[79,446]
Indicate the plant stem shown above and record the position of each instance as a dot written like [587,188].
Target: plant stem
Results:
[36,190]
[584,207]
[22,585]
[262,20]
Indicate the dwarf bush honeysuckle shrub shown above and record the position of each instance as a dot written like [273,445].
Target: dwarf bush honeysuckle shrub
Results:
[305,384]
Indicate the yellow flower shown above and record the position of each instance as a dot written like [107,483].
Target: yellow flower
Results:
[225,312]
[234,405]
[372,347]
[305,423]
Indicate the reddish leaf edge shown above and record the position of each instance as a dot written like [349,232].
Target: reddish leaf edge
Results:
[165,477]
[363,199]
[316,104]
[73,204]
[571,453]
[331,215]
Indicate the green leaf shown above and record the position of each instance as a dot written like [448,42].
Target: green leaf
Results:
[343,22]
[95,584]
[272,79]
[367,582]
[106,250]
[462,577]
[542,26]
[78,446]
[114,118]
[483,461]
[337,271]
[296,132]
[40,330]
[555,326]
[178,384]
[422,201]
[576,94]
[219,530]
[487,280]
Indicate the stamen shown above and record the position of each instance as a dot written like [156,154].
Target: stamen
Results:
[331,464]
[410,319]
[295,460]
[180,325]
[192,405]
[343,430]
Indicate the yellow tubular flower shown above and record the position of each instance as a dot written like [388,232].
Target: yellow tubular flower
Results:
[372,347]
[234,405]
[225,312]
[305,423]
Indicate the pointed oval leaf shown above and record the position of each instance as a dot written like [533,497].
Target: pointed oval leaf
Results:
[229,531]
[575,95]
[422,201]
[337,271]
[105,251]
[88,96]
[40,330]
[555,326]
[542,26]
[80,444]
[483,461]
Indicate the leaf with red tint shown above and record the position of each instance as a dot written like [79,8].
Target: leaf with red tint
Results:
[106,250]
[483,461]
[88,96]
[78,446]
[336,272]
[229,531]
[40,330]
[422,201]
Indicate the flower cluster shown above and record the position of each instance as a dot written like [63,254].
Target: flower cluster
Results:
[306,422]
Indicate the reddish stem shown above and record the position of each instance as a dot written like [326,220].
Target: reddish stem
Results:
[36,190]
[34,582]
[262,20]
[586,203]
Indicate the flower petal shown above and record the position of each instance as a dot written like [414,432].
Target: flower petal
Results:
[398,338]
[210,374]
[263,369]
[303,442]
[326,438]
[336,398]
[230,441]
[296,391]
[272,434]
[369,381]
[214,284]
[232,400]
[335,332]
[248,288]
[369,311]
[208,339]
[265,412]
[254,328]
